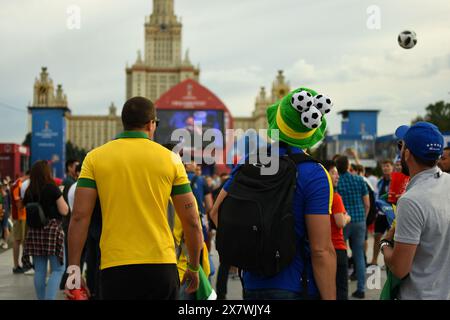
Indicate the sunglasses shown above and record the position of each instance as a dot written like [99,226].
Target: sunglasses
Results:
[400,145]
[156,120]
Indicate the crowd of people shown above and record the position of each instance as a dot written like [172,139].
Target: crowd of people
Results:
[143,222]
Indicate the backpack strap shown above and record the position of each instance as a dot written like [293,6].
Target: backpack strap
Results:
[300,157]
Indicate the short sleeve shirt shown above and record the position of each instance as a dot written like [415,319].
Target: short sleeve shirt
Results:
[313,196]
[134,178]
[200,189]
[337,235]
[423,219]
[50,193]
[352,189]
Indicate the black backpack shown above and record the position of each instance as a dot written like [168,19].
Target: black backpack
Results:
[256,222]
[36,217]
[371,217]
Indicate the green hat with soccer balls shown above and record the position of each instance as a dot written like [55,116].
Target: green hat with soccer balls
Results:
[300,117]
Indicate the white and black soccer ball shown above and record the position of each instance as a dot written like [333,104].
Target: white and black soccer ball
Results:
[312,118]
[407,39]
[323,103]
[302,101]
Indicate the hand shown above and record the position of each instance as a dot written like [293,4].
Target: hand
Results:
[390,234]
[69,283]
[192,280]
[348,218]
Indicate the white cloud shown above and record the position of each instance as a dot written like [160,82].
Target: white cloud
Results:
[240,45]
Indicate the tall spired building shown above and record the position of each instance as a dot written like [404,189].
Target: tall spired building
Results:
[162,65]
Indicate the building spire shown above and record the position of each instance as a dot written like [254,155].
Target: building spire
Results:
[163,12]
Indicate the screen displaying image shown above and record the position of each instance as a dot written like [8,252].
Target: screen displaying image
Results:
[170,120]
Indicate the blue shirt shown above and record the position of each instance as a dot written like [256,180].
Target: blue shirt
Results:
[313,195]
[352,188]
[199,189]
[383,187]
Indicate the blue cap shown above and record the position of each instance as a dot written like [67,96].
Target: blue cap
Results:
[423,139]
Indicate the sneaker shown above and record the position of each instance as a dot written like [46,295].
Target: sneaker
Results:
[18,270]
[29,272]
[353,276]
[358,294]
[4,244]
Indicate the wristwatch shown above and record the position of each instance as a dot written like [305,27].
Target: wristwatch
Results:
[385,243]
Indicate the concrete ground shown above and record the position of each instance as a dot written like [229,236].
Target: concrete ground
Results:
[372,293]
[20,286]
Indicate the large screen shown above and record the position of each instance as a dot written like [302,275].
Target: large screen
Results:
[170,120]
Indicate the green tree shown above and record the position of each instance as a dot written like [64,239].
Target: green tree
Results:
[27,141]
[438,114]
[73,152]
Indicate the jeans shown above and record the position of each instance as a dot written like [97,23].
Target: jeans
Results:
[342,275]
[47,291]
[356,231]
[274,294]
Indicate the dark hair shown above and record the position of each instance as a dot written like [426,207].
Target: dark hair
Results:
[342,164]
[425,162]
[169,146]
[69,163]
[359,168]
[387,161]
[447,149]
[137,112]
[40,176]
[335,157]
[329,164]
[78,168]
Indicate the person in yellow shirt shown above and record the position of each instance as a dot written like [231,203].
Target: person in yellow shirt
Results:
[134,178]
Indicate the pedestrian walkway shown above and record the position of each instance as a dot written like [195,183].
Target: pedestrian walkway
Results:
[20,286]
[235,288]
[15,286]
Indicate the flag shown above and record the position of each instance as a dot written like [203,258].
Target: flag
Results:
[205,290]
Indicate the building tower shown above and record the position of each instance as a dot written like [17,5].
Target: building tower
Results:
[161,66]
[47,123]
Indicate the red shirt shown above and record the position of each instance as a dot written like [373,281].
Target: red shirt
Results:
[337,235]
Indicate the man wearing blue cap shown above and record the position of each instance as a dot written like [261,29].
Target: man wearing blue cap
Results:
[421,254]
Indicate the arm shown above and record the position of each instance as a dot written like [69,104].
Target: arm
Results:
[400,258]
[185,207]
[62,206]
[208,203]
[341,219]
[366,201]
[323,254]
[79,223]
[354,154]
[410,222]
[214,214]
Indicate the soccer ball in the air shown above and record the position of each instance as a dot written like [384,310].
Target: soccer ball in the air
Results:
[323,103]
[302,100]
[311,118]
[407,39]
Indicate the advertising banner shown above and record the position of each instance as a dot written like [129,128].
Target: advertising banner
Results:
[48,138]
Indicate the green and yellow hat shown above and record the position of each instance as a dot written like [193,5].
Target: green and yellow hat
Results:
[300,117]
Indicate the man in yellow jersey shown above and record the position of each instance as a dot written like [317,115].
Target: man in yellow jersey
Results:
[134,178]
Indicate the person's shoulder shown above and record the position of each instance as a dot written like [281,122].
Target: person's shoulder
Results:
[312,172]
[311,167]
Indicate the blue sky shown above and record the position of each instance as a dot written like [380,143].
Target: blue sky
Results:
[239,45]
